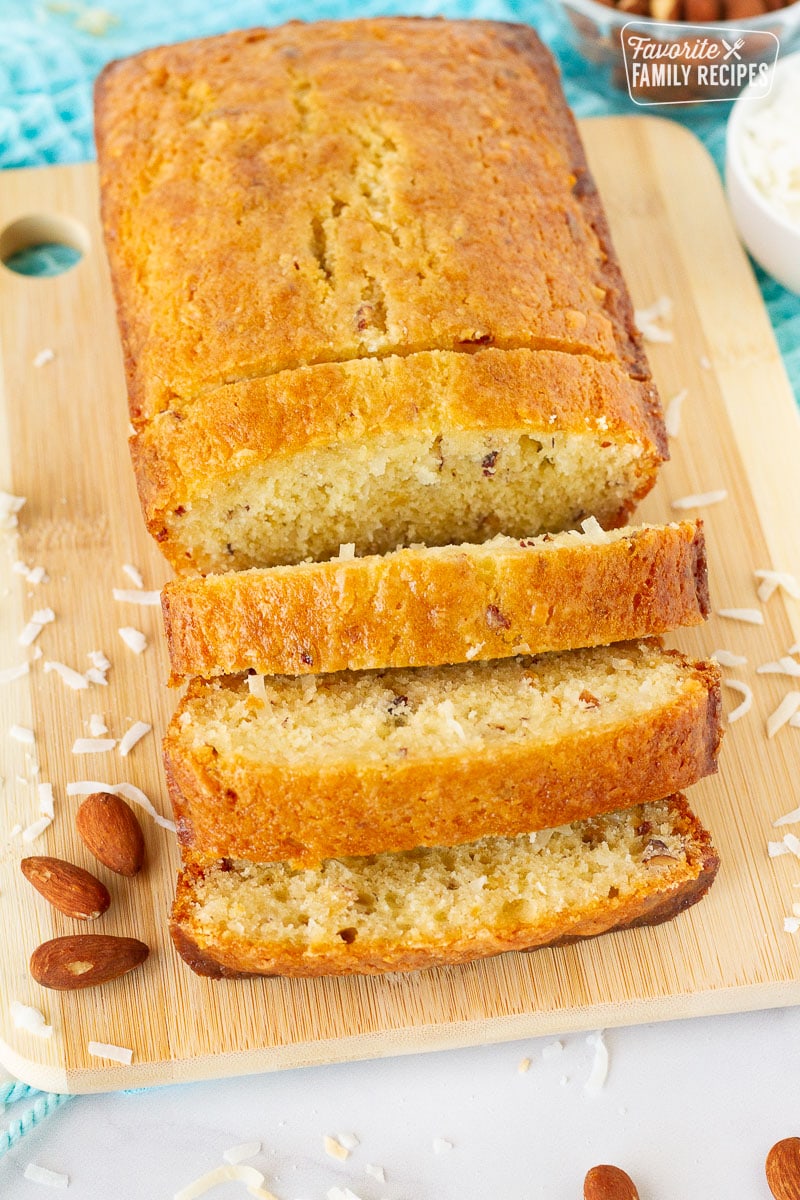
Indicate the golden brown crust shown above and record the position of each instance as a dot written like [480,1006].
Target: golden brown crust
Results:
[467,604]
[278,155]
[273,812]
[648,904]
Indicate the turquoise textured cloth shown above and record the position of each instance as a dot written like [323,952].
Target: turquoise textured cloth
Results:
[49,58]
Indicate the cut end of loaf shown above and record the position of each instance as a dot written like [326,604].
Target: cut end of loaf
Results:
[398,491]
[438,906]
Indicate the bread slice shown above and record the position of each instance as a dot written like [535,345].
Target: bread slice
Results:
[366,292]
[307,768]
[439,906]
[427,607]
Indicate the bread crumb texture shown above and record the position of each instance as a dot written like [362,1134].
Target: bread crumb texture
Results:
[442,904]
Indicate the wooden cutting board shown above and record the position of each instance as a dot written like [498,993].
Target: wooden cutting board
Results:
[63,445]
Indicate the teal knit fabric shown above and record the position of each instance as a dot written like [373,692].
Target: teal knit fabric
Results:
[48,62]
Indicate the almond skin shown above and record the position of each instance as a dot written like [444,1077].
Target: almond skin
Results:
[110,829]
[608,1183]
[70,889]
[783,1169]
[84,960]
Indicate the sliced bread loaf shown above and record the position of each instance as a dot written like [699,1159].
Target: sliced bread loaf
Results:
[307,768]
[430,606]
[432,907]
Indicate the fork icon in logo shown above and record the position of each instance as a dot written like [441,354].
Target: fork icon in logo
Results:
[734,49]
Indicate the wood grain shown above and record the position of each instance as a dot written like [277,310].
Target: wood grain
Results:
[63,429]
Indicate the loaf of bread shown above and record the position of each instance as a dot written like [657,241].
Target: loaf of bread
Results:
[302,769]
[433,907]
[430,606]
[367,294]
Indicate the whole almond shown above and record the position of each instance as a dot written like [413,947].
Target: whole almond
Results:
[111,830]
[783,1169]
[608,1183]
[70,889]
[85,959]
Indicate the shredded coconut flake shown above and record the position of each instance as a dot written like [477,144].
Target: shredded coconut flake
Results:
[36,829]
[593,529]
[95,676]
[97,726]
[726,658]
[599,1071]
[93,745]
[742,709]
[34,575]
[46,801]
[9,507]
[133,574]
[137,731]
[772,580]
[29,633]
[49,1178]
[40,618]
[792,843]
[136,796]
[231,1172]
[257,687]
[672,415]
[73,679]
[795,721]
[30,1019]
[335,1149]
[784,666]
[237,1154]
[788,818]
[523,1066]
[20,733]
[376,1172]
[120,1054]
[448,712]
[786,709]
[98,660]
[9,674]
[777,849]
[44,357]
[134,639]
[791,924]
[85,787]
[750,616]
[347,551]
[132,596]
[348,1140]
[701,499]
[660,309]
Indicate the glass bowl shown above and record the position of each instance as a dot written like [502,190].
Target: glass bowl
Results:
[595,29]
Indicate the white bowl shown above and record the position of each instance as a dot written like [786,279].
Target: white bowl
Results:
[772,239]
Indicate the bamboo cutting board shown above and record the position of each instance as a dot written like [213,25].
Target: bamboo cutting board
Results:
[63,429]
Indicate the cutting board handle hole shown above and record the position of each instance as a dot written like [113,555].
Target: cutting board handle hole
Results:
[43,245]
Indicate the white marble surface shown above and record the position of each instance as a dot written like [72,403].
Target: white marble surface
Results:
[689,1109]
